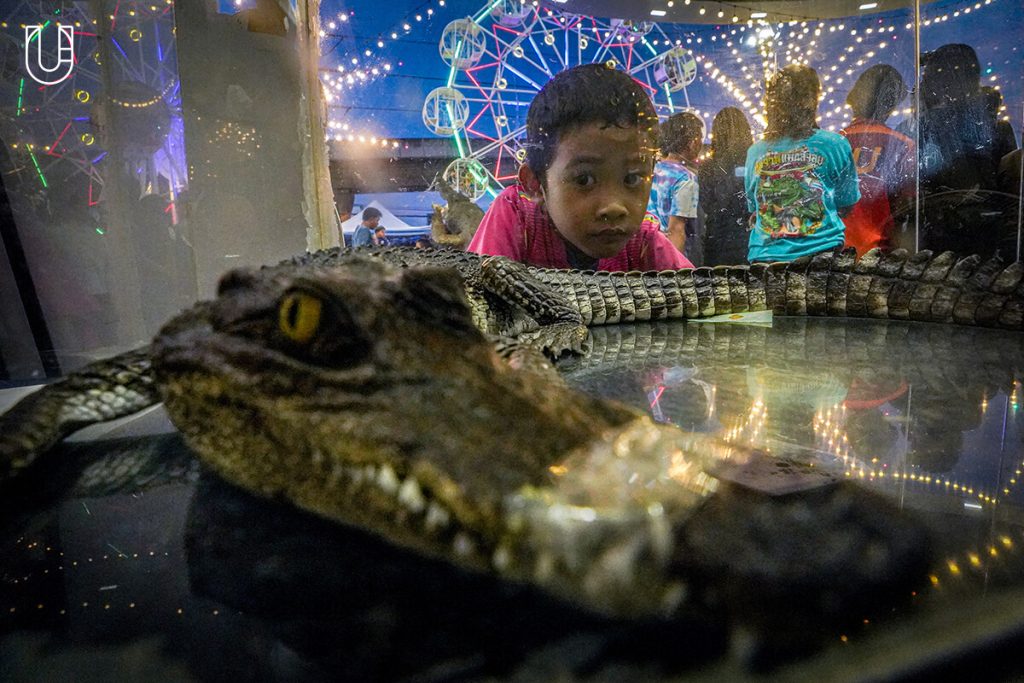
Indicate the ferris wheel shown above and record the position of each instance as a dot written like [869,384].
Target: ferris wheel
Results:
[499,59]
[56,133]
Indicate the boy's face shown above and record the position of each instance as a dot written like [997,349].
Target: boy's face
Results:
[597,186]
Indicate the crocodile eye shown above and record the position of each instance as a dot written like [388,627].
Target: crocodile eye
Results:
[298,316]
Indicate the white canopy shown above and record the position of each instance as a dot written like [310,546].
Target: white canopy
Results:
[391,222]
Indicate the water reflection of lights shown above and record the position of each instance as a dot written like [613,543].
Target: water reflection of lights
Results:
[979,561]
[752,427]
[832,438]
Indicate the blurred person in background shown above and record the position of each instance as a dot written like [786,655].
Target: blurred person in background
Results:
[800,179]
[674,190]
[364,232]
[957,156]
[885,162]
[722,197]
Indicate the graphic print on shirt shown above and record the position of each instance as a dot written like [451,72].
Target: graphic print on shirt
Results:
[789,193]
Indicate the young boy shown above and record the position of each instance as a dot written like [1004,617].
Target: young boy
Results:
[674,190]
[581,201]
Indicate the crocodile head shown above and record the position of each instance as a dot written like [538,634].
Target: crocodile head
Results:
[366,395]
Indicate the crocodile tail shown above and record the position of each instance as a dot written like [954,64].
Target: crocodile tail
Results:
[101,391]
[892,285]
[897,285]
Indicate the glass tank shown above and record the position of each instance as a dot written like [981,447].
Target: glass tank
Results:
[151,147]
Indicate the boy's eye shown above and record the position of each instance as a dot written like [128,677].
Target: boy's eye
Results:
[584,179]
[634,179]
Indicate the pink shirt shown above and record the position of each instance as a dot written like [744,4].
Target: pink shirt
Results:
[517,227]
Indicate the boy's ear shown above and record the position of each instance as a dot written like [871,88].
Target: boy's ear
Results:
[529,180]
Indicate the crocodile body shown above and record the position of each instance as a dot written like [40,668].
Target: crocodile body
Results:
[584,497]
[398,412]
[552,309]
[926,287]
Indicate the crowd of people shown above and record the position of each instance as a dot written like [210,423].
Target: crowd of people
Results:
[605,186]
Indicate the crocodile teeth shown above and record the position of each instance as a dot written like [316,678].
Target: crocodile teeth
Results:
[545,567]
[673,596]
[410,496]
[387,479]
[437,517]
[502,558]
[463,545]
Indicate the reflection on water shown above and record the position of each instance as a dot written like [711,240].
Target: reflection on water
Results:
[922,409]
[927,415]
[135,561]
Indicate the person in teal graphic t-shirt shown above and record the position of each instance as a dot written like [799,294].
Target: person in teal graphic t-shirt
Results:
[800,180]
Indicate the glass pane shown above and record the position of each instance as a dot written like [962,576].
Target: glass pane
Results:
[187,141]
[94,171]
[148,149]
[971,99]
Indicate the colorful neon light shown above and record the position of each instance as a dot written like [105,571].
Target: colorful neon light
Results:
[39,170]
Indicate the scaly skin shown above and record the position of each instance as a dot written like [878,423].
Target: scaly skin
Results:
[369,420]
[930,288]
[97,393]
[551,310]
[357,425]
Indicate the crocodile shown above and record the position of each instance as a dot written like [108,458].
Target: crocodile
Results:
[940,288]
[552,310]
[329,381]
[334,389]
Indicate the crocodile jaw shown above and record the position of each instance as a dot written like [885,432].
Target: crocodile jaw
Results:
[596,528]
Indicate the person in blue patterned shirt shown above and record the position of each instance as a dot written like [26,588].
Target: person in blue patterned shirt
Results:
[674,190]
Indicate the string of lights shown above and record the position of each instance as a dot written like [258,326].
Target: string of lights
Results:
[796,41]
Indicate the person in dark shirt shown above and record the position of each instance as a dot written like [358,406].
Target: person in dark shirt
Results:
[884,158]
[1010,168]
[722,196]
[1006,140]
[957,163]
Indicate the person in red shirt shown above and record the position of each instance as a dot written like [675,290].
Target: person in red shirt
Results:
[581,200]
[884,159]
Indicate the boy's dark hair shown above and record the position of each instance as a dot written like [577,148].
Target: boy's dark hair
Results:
[679,132]
[876,93]
[791,103]
[730,137]
[371,212]
[589,93]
